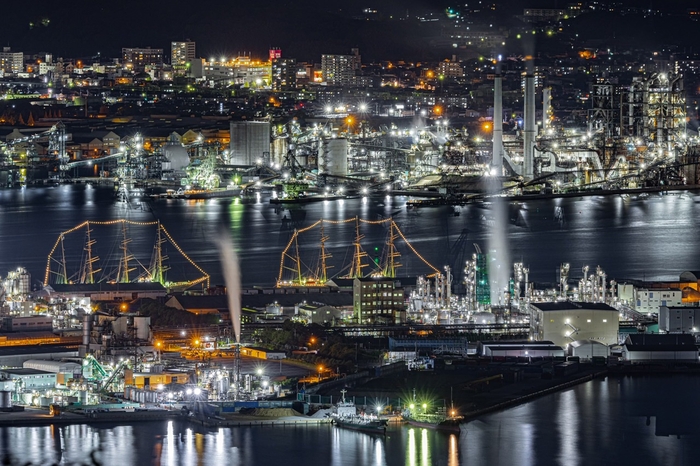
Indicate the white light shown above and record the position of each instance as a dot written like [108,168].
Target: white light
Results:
[197,391]
[188,391]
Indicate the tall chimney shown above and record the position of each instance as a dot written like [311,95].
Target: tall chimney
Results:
[546,105]
[497,153]
[529,128]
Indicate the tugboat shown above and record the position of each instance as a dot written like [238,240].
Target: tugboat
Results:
[346,416]
[444,421]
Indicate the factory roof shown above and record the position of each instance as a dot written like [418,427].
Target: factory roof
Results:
[579,343]
[259,301]
[36,349]
[572,306]
[26,371]
[517,343]
[655,339]
[103,287]
[661,348]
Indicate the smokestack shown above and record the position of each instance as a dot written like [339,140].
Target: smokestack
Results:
[497,154]
[546,105]
[529,128]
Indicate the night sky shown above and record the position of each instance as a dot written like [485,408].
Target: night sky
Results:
[303,29]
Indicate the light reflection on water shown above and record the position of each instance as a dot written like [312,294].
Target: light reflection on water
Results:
[615,421]
[606,231]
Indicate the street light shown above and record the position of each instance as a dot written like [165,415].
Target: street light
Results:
[320,370]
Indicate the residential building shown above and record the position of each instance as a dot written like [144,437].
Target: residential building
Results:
[284,74]
[11,63]
[138,58]
[340,70]
[378,300]
[182,53]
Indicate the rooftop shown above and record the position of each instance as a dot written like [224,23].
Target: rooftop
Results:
[572,306]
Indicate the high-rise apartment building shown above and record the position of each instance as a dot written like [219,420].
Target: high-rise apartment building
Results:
[138,58]
[11,62]
[182,53]
[284,74]
[340,70]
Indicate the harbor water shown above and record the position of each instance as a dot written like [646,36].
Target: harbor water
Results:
[650,237]
[642,420]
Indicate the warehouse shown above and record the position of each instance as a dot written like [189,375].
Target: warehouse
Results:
[586,350]
[568,321]
[531,349]
[642,348]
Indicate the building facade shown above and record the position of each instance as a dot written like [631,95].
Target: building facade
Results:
[378,300]
[138,58]
[565,322]
[250,142]
[649,301]
[340,70]
[284,74]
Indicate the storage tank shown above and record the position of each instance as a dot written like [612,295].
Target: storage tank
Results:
[175,154]
[5,399]
[333,157]
[86,329]
[279,150]
[250,142]
[143,327]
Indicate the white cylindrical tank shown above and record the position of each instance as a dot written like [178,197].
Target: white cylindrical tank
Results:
[279,150]
[143,327]
[5,399]
[333,157]
[87,321]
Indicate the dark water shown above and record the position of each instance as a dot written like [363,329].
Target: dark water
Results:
[653,238]
[641,421]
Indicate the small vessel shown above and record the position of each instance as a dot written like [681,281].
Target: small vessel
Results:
[345,416]
[446,421]
[210,193]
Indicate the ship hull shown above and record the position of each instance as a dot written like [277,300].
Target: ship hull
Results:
[445,426]
[212,193]
[372,427]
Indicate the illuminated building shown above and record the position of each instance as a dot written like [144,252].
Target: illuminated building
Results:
[11,62]
[378,300]
[242,71]
[181,53]
[138,58]
[284,74]
[340,70]
[568,321]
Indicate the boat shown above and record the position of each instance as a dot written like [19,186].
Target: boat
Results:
[306,199]
[443,420]
[345,416]
[210,193]
[435,421]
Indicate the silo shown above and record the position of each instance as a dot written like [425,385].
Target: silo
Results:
[250,142]
[175,154]
[279,150]
[87,322]
[143,327]
[5,399]
[333,157]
